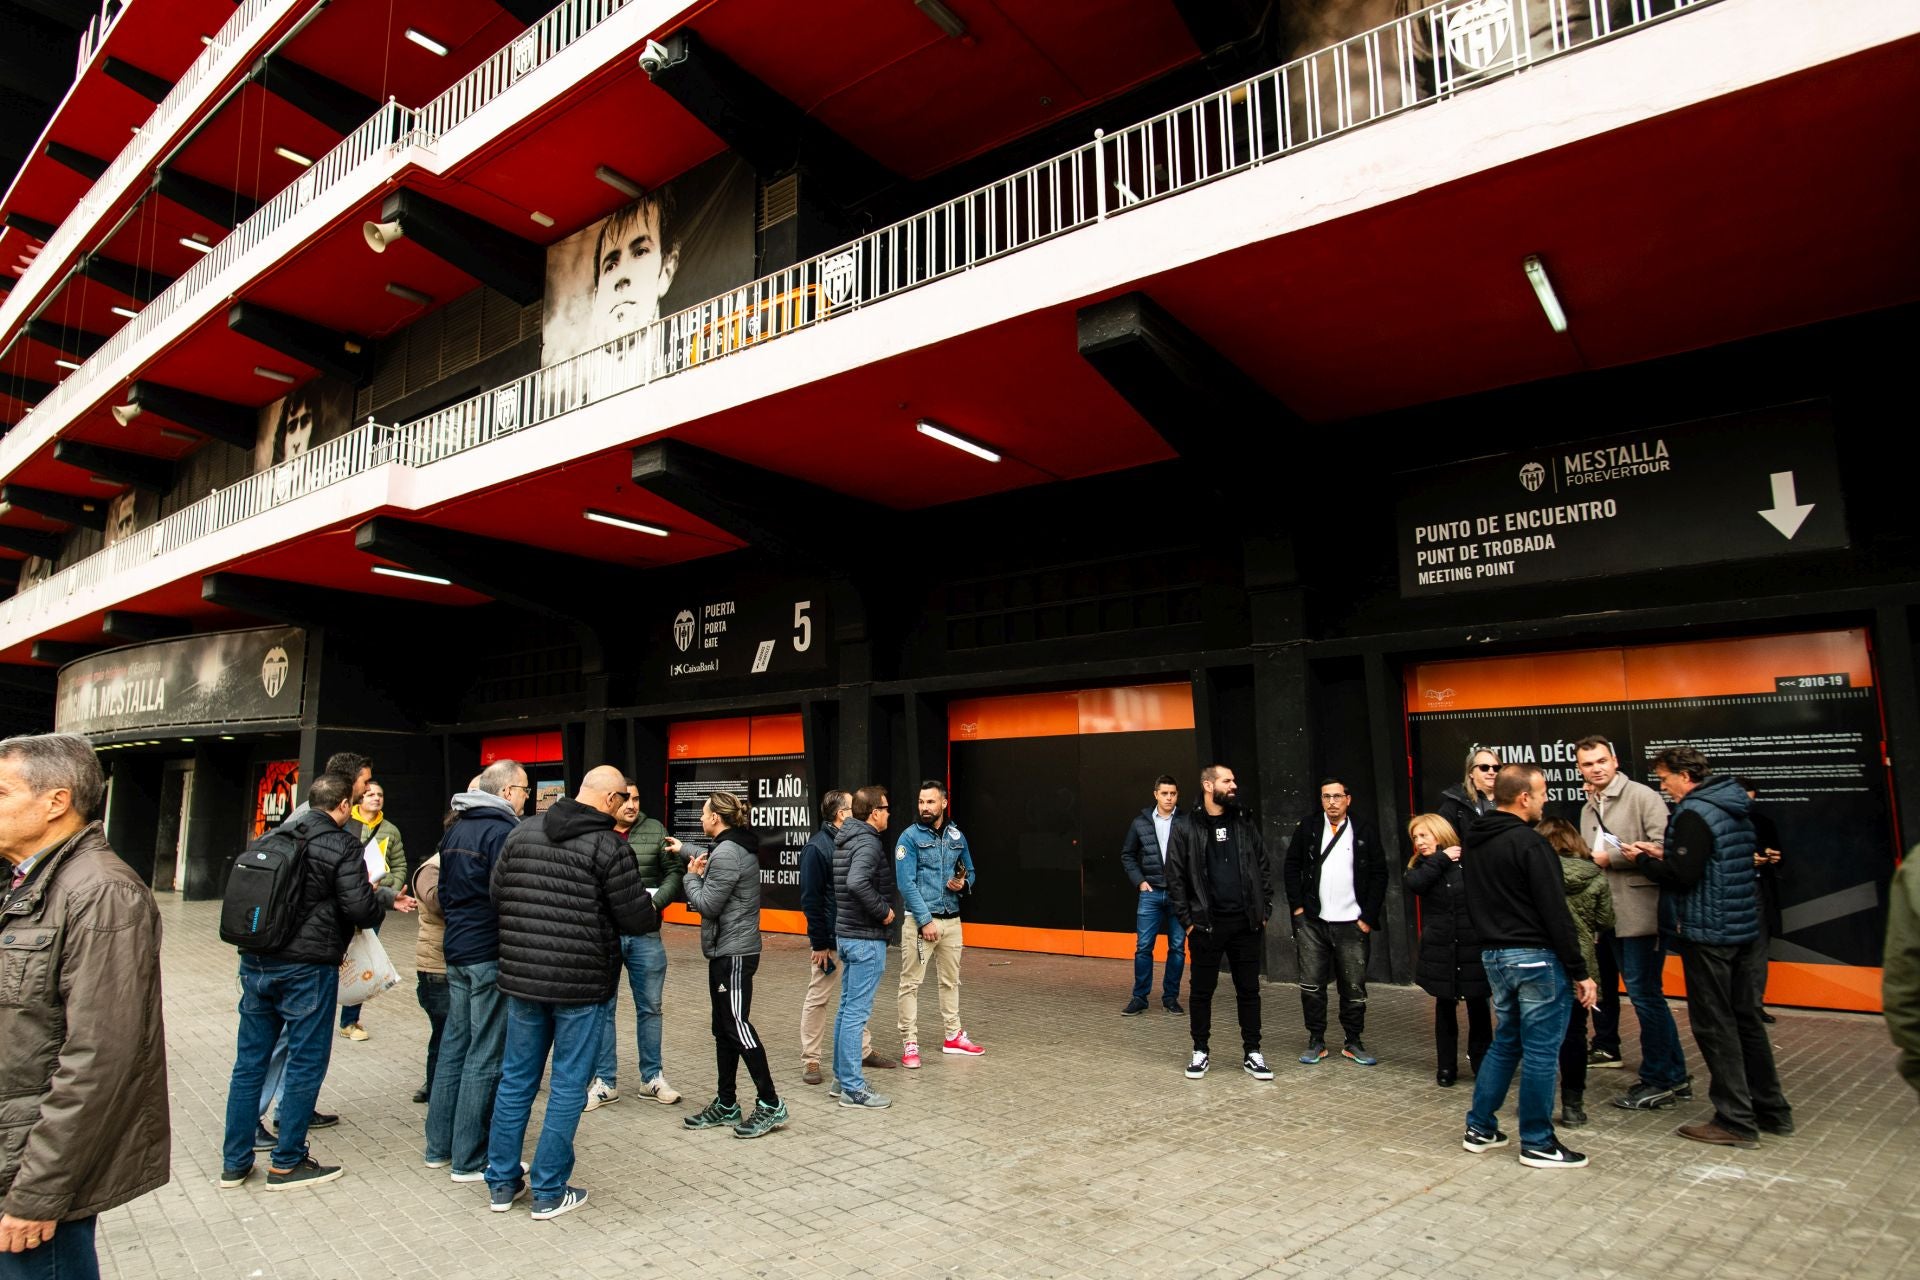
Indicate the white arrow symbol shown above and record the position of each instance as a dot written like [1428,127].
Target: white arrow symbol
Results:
[1786,515]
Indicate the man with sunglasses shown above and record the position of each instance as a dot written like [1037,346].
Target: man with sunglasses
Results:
[460,1107]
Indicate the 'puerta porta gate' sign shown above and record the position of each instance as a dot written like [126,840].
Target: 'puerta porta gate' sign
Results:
[1737,488]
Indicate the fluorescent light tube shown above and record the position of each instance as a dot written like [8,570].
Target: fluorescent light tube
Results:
[930,428]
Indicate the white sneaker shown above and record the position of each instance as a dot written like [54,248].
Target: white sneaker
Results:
[1198,1066]
[600,1093]
[660,1091]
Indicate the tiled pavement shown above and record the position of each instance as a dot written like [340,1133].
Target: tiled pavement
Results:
[1075,1147]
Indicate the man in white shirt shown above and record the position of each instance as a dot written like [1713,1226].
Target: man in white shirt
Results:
[1336,875]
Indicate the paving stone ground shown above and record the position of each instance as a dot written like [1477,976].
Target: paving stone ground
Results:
[1076,1147]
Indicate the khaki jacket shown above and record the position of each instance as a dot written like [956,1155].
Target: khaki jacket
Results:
[1633,811]
[83,1058]
[427,954]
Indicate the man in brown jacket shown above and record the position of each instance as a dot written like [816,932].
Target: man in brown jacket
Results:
[83,1069]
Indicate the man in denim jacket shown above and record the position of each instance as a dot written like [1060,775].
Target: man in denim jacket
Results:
[933,867]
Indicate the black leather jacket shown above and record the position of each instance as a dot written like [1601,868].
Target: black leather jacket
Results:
[1187,886]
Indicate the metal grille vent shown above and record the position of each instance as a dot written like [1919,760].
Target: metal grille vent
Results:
[779,200]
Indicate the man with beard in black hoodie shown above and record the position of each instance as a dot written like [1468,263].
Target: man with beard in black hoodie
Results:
[1518,902]
[566,887]
[1221,886]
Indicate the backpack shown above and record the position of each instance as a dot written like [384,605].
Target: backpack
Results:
[261,909]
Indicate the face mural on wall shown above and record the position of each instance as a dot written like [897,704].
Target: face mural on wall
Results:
[681,244]
[304,418]
[123,516]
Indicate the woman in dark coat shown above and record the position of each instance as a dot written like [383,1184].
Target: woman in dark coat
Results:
[1449,968]
[1472,796]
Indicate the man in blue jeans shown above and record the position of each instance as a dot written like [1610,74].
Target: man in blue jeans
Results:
[1143,855]
[294,987]
[645,956]
[863,908]
[1519,908]
[567,889]
[460,1106]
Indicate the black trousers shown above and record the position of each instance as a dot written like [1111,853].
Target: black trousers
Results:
[1606,1014]
[1239,945]
[1723,1006]
[1446,1032]
[730,986]
[1573,1055]
[1332,951]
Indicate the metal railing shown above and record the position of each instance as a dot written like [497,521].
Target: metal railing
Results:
[1419,58]
[241,30]
[560,28]
[386,129]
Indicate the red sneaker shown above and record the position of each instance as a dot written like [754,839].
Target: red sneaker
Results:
[910,1055]
[963,1046]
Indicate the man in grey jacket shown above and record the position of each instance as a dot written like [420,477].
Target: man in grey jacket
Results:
[862,912]
[1620,812]
[723,885]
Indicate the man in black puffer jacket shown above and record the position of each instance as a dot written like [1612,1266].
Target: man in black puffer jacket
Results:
[566,887]
[863,908]
[295,987]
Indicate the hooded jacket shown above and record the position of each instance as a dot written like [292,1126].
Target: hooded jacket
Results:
[728,896]
[83,1055]
[566,888]
[861,884]
[335,898]
[1590,901]
[1516,892]
[468,850]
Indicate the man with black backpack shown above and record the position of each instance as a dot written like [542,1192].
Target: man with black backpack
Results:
[292,925]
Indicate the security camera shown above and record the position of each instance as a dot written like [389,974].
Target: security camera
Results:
[655,58]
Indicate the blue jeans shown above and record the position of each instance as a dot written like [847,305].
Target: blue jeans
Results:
[299,997]
[68,1256]
[861,962]
[646,959]
[1642,964]
[1531,1005]
[460,1107]
[572,1033]
[1153,916]
[271,1084]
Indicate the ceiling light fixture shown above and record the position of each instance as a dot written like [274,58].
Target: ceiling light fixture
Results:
[273,375]
[124,414]
[174,433]
[128,312]
[427,42]
[624,522]
[619,182]
[928,427]
[197,243]
[408,293]
[544,220]
[1543,289]
[411,576]
[288,153]
[65,363]
[942,17]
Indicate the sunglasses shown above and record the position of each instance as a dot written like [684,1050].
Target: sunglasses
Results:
[1486,768]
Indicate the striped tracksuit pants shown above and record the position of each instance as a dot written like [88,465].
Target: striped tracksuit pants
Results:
[730,986]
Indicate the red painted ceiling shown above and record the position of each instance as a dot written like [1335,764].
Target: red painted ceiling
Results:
[362,44]
[234,149]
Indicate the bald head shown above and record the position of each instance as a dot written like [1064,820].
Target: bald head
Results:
[604,788]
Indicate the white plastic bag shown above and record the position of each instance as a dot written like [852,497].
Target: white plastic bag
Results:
[365,971]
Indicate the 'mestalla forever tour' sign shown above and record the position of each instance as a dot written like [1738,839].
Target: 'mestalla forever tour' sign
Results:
[225,677]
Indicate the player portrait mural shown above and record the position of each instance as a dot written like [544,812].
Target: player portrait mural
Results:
[306,417]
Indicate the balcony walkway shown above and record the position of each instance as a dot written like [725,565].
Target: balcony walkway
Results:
[1074,1148]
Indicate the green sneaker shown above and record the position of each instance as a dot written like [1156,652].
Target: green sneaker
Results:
[764,1120]
[716,1114]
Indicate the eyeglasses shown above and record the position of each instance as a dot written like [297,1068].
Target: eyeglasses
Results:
[882,808]
[514,786]
[1486,768]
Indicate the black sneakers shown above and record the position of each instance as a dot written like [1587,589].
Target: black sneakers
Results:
[1256,1066]
[1602,1059]
[308,1173]
[1134,1009]
[1650,1097]
[1477,1141]
[1197,1065]
[1553,1155]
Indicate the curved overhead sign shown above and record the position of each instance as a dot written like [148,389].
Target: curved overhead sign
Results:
[225,677]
